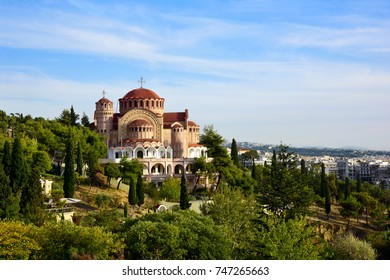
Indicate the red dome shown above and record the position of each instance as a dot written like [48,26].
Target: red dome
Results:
[141,93]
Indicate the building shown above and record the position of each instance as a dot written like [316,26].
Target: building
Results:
[166,143]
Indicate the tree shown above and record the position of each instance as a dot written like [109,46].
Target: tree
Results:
[368,202]
[359,183]
[17,240]
[179,235]
[132,198]
[6,159]
[31,201]
[79,159]
[303,167]
[327,200]
[69,173]
[140,190]
[284,191]
[234,212]
[184,200]
[234,153]
[9,204]
[73,117]
[323,181]
[111,170]
[293,239]
[347,188]
[41,161]
[129,168]
[18,168]
[350,208]
[348,247]
[170,189]
[85,120]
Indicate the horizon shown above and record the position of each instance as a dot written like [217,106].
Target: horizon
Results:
[306,73]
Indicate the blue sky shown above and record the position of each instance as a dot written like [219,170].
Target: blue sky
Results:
[305,73]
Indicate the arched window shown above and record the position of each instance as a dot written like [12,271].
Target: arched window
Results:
[140,154]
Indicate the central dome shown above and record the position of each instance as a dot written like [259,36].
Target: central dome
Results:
[141,93]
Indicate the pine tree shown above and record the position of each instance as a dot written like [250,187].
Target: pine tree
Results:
[234,153]
[184,200]
[73,117]
[79,160]
[69,173]
[140,190]
[132,198]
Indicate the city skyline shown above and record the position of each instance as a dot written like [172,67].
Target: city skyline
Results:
[305,73]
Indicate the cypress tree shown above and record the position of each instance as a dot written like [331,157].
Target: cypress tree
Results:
[347,190]
[323,181]
[6,160]
[69,173]
[132,198]
[5,194]
[32,199]
[79,160]
[18,168]
[234,153]
[184,200]
[327,200]
[359,184]
[303,167]
[140,190]
[73,117]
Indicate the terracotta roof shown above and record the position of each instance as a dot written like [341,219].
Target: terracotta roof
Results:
[195,145]
[174,117]
[141,93]
[191,123]
[104,100]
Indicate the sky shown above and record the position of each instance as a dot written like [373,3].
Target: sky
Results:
[298,72]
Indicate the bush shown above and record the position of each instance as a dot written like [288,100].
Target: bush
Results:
[170,190]
[348,247]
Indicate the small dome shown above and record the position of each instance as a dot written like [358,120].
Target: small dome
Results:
[191,123]
[104,100]
[141,93]
[140,122]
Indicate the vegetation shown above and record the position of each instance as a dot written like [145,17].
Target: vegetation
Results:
[271,211]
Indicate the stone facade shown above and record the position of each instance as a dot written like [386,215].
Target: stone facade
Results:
[165,142]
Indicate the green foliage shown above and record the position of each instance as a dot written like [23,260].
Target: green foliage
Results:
[41,161]
[140,190]
[348,247]
[235,213]
[184,200]
[181,235]
[18,168]
[111,170]
[102,200]
[65,241]
[350,208]
[69,173]
[16,240]
[293,239]
[234,153]
[284,192]
[170,190]
[132,198]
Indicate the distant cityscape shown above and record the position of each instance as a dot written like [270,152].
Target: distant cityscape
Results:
[372,166]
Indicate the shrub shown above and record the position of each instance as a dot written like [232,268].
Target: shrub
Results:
[348,247]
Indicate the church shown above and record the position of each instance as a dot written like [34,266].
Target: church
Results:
[166,143]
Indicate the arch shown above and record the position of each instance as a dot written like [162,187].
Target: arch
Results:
[169,169]
[161,152]
[118,153]
[169,152]
[158,169]
[139,152]
[191,153]
[179,169]
[151,152]
[189,168]
[129,152]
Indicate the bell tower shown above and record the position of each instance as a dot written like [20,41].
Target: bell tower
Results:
[104,113]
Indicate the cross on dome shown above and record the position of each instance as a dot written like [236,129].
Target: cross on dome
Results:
[141,81]
[104,94]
